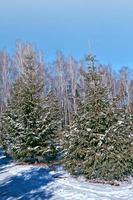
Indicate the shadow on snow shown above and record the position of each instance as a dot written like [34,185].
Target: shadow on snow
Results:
[29,185]
[4,160]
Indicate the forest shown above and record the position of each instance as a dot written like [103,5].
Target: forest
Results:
[75,112]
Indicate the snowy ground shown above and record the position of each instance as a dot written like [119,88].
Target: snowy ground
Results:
[19,182]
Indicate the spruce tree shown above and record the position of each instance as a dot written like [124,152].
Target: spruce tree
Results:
[30,123]
[99,143]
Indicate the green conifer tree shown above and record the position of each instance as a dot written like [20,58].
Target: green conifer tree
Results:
[99,143]
[30,122]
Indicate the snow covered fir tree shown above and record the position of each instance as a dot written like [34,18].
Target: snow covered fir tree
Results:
[30,122]
[99,142]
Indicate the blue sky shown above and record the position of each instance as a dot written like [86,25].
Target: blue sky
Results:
[74,26]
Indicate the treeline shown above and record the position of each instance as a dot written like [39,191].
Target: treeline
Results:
[80,110]
[65,77]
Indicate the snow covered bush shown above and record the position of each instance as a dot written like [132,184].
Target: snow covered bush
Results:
[29,124]
[99,143]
